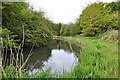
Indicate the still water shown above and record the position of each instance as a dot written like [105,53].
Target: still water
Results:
[58,55]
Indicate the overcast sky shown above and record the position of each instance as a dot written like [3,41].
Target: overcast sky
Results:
[62,11]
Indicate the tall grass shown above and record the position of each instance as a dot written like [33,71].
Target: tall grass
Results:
[106,36]
[99,58]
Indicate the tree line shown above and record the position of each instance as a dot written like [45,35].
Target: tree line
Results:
[95,18]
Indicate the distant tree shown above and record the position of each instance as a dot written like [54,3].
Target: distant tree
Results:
[60,25]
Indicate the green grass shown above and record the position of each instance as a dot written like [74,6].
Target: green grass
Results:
[99,59]
[10,72]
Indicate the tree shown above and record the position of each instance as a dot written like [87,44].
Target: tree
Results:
[90,18]
[60,25]
[99,17]
[38,29]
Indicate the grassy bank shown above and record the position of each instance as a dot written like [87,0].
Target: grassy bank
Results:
[99,56]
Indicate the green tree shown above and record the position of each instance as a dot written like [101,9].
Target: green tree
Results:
[90,18]
[38,29]
[60,25]
[98,17]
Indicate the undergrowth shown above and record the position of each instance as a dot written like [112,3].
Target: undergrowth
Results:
[106,36]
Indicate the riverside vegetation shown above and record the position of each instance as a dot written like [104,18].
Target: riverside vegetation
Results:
[99,58]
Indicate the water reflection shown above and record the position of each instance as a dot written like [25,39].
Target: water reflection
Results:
[60,59]
[57,55]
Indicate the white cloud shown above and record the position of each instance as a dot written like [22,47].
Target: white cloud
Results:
[63,11]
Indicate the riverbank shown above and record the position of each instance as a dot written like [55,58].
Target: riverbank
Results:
[99,57]
[75,41]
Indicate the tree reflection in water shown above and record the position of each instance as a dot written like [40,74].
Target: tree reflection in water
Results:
[57,54]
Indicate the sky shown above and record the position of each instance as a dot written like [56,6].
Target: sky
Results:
[62,11]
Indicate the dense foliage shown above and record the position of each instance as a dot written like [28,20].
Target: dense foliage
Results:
[95,18]
[38,29]
[70,30]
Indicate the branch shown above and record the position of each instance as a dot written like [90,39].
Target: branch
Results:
[34,64]
[25,61]
[22,41]
[30,53]
[3,72]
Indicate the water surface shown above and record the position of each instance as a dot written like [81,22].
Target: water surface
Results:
[58,55]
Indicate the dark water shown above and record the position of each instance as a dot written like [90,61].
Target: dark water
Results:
[57,55]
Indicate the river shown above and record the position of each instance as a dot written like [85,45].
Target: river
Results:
[58,55]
